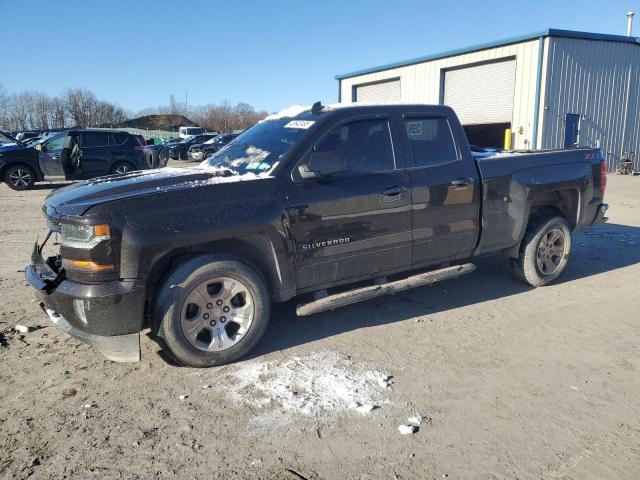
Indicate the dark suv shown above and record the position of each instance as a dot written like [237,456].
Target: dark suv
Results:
[205,150]
[178,151]
[71,155]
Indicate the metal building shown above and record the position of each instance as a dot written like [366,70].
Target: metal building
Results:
[553,89]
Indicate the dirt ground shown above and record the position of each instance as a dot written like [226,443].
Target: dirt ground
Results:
[512,382]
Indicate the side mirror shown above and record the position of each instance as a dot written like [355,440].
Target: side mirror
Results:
[322,164]
[38,147]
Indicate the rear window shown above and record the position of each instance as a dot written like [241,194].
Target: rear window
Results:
[431,140]
[118,138]
[94,139]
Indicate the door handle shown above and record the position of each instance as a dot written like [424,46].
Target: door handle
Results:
[392,194]
[393,191]
[461,182]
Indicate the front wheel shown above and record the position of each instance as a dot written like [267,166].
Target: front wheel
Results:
[212,310]
[19,177]
[122,167]
[544,252]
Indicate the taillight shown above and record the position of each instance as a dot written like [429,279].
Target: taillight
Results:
[603,175]
[139,149]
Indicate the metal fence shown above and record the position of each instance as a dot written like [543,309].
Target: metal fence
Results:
[147,134]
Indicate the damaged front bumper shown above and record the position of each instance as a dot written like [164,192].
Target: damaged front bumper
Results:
[107,315]
[118,348]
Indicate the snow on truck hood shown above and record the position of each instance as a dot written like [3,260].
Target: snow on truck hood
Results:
[77,198]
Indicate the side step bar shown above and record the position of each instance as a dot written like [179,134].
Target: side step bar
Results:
[343,299]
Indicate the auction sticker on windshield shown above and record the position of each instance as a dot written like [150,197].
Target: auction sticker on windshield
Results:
[302,124]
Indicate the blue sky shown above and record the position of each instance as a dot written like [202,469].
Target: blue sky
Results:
[270,54]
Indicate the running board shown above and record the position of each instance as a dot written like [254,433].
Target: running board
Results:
[343,299]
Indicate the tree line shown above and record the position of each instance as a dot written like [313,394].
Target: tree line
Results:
[222,117]
[79,107]
[39,111]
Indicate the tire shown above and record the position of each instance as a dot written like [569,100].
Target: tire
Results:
[19,177]
[544,251]
[182,156]
[122,167]
[192,306]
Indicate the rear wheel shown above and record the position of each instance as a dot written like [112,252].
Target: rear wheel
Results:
[19,177]
[212,310]
[122,167]
[544,252]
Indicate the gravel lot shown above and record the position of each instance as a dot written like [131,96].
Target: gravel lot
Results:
[513,382]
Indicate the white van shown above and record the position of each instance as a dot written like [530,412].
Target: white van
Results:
[185,132]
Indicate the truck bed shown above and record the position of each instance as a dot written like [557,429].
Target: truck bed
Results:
[514,183]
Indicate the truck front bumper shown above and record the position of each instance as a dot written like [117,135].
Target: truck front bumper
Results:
[108,315]
[600,214]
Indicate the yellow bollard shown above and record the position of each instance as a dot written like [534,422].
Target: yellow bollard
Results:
[507,139]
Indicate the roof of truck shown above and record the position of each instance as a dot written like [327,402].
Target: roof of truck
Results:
[549,32]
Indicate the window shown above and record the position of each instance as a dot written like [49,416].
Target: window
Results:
[94,139]
[57,143]
[431,140]
[117,138]
[365,144]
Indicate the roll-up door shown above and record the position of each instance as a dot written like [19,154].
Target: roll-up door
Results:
[380,92]
[481,94]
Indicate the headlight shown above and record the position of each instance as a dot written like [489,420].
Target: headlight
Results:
[84,236]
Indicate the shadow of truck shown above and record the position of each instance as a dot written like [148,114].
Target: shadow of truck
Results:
[595,250]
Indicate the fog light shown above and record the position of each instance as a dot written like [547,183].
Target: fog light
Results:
[78,307]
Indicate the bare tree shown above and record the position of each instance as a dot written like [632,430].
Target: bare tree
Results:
[42,111]
[58,112]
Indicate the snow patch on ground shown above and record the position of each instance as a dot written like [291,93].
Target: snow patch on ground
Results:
[314,384]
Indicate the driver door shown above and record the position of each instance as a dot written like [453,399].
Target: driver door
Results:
[50,157]
[356,223]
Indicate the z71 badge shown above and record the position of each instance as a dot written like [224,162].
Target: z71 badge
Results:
[326,243]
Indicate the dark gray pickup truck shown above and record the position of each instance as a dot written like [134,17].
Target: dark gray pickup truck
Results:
[307,201]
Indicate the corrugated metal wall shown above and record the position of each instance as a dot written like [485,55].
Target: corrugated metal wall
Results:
[421,83]
[600,81]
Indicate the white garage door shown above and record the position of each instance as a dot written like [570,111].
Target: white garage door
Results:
[483,93]
[382,92]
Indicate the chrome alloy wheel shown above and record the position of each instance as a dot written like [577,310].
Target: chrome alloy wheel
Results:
[551,251]
[122,169]
[19,177]
[217,314]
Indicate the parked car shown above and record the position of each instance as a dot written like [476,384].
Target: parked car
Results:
[22,136]
[152,153]
[202,151]
[302,203]
[185,132]
[178,151]
[33,141]
[71,155]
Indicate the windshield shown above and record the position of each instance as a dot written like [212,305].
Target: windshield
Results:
[261,147]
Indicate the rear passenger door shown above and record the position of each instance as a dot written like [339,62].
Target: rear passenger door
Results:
[94,154]
[445,188]
[355,223]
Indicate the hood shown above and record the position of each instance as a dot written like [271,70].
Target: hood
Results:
[76,199]
[7,147]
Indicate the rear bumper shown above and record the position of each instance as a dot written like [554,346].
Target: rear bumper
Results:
[600,214]
[108,315]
